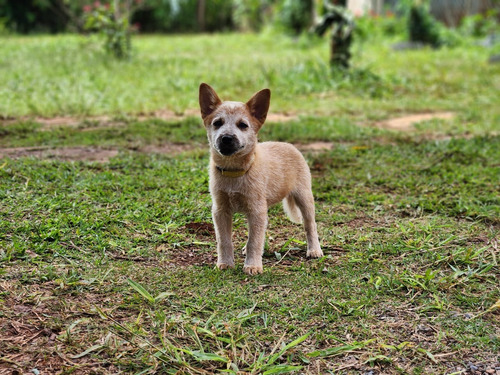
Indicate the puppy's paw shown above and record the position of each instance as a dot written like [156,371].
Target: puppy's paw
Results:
[252,270]
[317,253]
[224,266]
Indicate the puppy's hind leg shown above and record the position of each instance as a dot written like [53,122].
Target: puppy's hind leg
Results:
[305,200]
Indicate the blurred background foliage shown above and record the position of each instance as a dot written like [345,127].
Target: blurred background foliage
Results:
[53,16]
[292,16]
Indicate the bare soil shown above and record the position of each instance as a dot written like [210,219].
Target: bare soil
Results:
[104,120]
[64,153]
[98,154]
[315,146]
[169,148]
[103,155]
[407,123]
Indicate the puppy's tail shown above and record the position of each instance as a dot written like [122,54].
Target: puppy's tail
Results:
[292,210]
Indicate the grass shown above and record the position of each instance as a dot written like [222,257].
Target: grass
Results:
[72,77]
[108,267]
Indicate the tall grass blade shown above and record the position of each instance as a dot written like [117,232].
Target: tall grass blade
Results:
[141,290]
[338,349]
[281,369]
[287,347]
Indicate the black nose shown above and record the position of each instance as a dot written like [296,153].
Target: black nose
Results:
[228,144]
[226,139]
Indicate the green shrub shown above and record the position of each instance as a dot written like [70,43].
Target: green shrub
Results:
[479,25]
[182,16]
[422,27]
[28,16]
[296,15]
[113,25]
[252,14]
[369,27]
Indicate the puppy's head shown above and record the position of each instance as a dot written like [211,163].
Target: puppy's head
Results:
[232,126]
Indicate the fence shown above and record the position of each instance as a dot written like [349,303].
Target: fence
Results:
[452,11]
[448,11]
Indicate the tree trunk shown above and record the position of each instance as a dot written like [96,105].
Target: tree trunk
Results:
[340,44]
[201,14]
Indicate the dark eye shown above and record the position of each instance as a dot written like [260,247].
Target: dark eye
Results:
[217,124]
[242,125]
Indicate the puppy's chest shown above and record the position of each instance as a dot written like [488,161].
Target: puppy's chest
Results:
[232,193]
[237,202]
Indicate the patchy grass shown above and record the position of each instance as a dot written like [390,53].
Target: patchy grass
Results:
[108,267]
[409,231]
[133,134]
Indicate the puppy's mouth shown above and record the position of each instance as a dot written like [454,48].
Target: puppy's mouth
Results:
[228,145]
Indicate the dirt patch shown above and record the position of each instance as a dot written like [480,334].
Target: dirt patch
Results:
[44,327]
[64,153]
[190,255]
[87,153]
[204,229]
[315,146]
[200,251]
[280,117]
[407,123]
[417,332]
[108,121]
[68,121]
[169,148]
[359,222]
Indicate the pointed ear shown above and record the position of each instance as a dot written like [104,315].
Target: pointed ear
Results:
[259,104]
[209,100]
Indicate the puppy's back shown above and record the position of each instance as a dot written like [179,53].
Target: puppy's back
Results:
[282,169]
[283,155]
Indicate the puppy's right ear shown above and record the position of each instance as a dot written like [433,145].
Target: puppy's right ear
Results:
[209,100]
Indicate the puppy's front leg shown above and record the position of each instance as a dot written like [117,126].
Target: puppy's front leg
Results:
[257,223]
[223,221]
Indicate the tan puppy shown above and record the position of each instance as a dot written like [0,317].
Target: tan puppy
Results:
[249,177]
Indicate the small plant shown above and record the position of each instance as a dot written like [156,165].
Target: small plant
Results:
[341,21]
[251,14]
[422,27]
[480,25]
[296,15]
[111,21]
[145,294]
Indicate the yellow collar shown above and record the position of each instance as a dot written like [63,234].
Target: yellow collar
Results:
[235,172]
[228,173]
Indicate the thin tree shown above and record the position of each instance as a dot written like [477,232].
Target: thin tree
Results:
[201,9]
[338,17]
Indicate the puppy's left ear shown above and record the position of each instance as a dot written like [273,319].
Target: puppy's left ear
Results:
[259,105]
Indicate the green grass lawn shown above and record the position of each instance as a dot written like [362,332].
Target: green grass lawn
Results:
[108,266]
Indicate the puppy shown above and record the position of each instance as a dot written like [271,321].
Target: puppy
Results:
[249,177]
